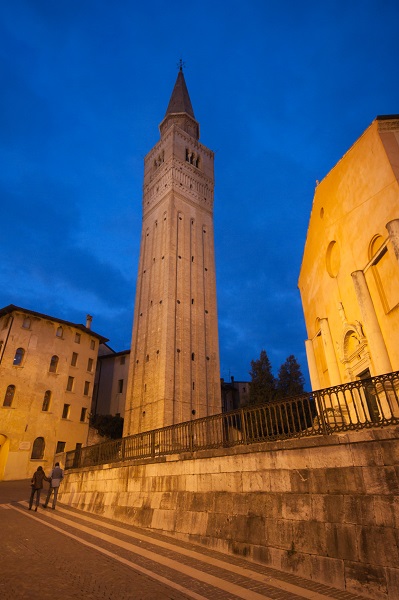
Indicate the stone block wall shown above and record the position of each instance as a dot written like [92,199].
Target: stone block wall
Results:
[325,508]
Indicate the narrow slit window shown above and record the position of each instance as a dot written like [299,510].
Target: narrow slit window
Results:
[9,395]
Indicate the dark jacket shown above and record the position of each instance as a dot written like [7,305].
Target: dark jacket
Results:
[38,478]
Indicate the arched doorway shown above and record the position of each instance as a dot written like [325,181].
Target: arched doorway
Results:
[355,354]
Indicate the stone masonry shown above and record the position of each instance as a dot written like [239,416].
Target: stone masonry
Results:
[323,508]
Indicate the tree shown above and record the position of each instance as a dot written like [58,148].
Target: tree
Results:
[290,381]
[108,426]
[263,382]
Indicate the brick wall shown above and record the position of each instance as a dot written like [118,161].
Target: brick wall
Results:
[324,508]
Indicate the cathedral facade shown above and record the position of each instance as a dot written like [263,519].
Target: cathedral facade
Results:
[174,373]
[349,279]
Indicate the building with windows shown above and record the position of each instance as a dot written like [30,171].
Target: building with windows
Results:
[47,368]
[349,278]
[174,373]
[235,394]
[110,385]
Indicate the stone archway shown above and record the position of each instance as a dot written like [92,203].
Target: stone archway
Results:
[355,355]
[4,447]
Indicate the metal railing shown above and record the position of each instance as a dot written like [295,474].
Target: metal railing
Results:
[361,404]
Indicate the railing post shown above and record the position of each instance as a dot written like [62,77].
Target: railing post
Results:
[243,426]
[152,442]
[191,436]
[321,413]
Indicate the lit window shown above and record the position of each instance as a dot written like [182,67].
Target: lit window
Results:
[120,386]
[53,364]
[90,365]
[59,332]
[60,447]
[70,383]
[77,338]
[46,400]
[38,448]
[65,411]
[9,395]
[86,388]
[26,323]
[83,414]
[19,356]
[74,359]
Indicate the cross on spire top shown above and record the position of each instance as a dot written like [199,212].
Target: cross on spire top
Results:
[181,64]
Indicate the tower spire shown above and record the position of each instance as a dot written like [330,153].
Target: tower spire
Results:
[180,100]
[180,110]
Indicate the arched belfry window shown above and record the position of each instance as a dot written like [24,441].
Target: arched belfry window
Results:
[38,448]
[59,332]
[9,395]
[19,357]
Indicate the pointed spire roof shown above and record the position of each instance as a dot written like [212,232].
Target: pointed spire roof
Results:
[180,111]
[180,100]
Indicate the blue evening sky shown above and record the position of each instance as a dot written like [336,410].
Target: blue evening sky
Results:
[281,91]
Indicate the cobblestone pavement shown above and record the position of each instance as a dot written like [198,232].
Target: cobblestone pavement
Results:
[75,555]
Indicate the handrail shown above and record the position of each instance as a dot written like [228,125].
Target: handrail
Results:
[355,405]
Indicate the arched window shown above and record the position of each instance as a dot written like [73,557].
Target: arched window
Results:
[46,400]
[9,396]
[38,448]
[53,364]
[59,332]
[19,356]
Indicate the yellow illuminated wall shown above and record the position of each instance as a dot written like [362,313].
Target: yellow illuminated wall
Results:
[349,278]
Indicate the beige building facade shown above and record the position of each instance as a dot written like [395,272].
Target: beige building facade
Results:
[349,278]
[174,361]
[47,368]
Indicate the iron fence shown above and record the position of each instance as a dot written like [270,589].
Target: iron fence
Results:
[356,405]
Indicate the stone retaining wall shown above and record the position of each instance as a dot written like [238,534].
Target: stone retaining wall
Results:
[325,508]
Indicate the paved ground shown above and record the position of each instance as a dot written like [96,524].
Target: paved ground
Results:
[72,555]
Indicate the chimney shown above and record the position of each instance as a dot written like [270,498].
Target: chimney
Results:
[89,319]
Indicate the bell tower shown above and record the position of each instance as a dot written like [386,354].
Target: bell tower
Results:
[174,372]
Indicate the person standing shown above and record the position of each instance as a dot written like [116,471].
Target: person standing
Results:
[37,485]
[56,476]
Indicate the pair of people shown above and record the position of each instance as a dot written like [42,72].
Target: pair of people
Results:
[39,476]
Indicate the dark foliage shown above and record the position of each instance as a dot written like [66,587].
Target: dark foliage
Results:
[263,382]
[290,380]
[108,426]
